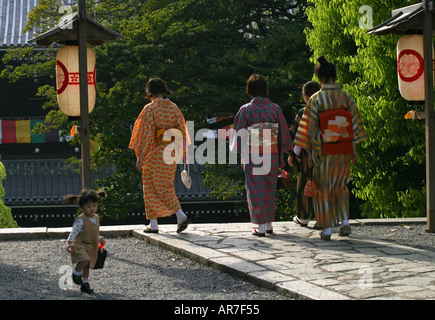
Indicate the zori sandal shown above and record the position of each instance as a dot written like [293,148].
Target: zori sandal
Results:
[149,230]
[299,222]
[256,233]
[325,237]
[345,231]
[182,226]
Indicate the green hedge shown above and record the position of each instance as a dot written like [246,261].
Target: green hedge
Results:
[6,219]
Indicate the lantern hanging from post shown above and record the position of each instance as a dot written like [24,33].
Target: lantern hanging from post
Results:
[67,80]
[410,67]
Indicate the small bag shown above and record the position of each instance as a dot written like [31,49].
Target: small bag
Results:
[102,253]
[310,189]
[185,176]
[284,181]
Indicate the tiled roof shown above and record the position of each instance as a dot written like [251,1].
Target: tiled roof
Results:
[13,15]
[45,182]
[198,190]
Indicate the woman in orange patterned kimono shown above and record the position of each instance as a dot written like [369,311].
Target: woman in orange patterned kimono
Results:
[154,156]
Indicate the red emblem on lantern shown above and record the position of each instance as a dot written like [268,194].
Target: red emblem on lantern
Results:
[410,65]
[66,78]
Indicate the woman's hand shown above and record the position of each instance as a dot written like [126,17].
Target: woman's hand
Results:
[290,160]
[310,159]
[139,162]
[355,155]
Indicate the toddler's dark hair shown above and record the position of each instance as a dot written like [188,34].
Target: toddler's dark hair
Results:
[310,88]
[84,197]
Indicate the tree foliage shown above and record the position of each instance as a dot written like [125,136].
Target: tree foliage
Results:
[6,219]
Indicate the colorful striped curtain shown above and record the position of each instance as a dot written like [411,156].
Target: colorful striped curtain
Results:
[20,131]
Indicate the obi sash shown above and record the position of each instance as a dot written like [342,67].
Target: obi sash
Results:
[263,137]
[336,132]
[175,134]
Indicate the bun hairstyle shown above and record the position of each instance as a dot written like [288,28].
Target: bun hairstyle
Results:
[322,60]
[155,87]
[85,197]
[325,70]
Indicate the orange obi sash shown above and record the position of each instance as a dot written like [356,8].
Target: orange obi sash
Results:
[336,131]
[174,133]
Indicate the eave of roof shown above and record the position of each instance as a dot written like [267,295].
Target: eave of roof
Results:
[403,20]
[66,31]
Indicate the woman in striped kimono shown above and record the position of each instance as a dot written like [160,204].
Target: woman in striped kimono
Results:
[329,130]
[304,205]
[154,160]
[261,178]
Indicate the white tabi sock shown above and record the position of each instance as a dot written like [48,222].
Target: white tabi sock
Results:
[327,231]
[153,224]
[344,223]
[269,226]
[261,228]
[77,273]
[181,216]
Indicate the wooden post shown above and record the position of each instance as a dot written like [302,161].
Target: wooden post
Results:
[429,110]
[84,109]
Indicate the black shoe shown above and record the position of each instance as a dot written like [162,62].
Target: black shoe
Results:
[77,279]
[182,226]
[86,288]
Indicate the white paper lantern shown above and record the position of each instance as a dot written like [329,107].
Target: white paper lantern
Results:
[68,80]
[410,67]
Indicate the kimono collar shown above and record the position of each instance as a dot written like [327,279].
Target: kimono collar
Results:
[327,86]
[260,100]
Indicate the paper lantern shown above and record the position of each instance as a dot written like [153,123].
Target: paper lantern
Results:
[68,80]
[410,67]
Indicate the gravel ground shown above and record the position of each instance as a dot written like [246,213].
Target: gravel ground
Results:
[136,270]
[411,234]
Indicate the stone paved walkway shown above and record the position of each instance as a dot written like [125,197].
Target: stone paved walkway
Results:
[295,261]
